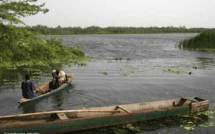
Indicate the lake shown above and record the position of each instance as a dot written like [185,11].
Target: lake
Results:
[123,69]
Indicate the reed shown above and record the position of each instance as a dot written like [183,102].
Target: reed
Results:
[205,41]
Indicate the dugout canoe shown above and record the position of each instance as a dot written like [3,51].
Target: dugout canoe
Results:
[42,91]
[89,118]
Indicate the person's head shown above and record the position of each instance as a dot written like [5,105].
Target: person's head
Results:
[53,73]
[57,71]
[27,76]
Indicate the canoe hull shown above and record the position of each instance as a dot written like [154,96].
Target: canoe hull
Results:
[95,117]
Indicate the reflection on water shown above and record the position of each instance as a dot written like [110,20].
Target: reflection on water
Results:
[206,63]
[124,69]
[58,100]
[12,76]
[31,108]
[8,76]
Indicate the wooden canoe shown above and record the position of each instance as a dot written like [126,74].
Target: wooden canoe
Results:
[88,118]
[42,91]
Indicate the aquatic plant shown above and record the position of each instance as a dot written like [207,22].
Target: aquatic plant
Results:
[176,70]
[201,119]
[132,128]
[186,123]
[104,73]
[205,41]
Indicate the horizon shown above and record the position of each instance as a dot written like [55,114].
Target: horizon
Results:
[126,13]
[83,27]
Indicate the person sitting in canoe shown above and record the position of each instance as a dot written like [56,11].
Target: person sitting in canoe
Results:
[62,77]
[28,88]
[58,78]
[54,83]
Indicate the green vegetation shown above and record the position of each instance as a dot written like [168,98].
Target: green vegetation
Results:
[112,30]
[201,119]
[205,41]
[22,47]
[104,73]
[187,124]
[177,70]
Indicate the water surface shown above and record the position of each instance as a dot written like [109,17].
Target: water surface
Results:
[123,69]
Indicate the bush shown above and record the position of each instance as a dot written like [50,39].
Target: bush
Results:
[21,47]
[203,41]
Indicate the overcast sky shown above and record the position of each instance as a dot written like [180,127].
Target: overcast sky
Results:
[145,13]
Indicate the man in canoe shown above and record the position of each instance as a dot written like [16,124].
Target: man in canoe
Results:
[58,78]
[28,88]
[62,77]
[54,83]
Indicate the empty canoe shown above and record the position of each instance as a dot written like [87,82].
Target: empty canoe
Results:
[88,118]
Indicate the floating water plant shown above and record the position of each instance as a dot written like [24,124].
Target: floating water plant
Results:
[176,70]
[133,128]
[201,119]
[104,73]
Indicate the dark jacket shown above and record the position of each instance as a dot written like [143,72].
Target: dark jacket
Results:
[28,88]
[54,84]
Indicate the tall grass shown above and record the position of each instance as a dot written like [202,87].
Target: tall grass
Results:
[203,41]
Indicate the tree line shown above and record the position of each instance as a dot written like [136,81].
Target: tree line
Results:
[112,30]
